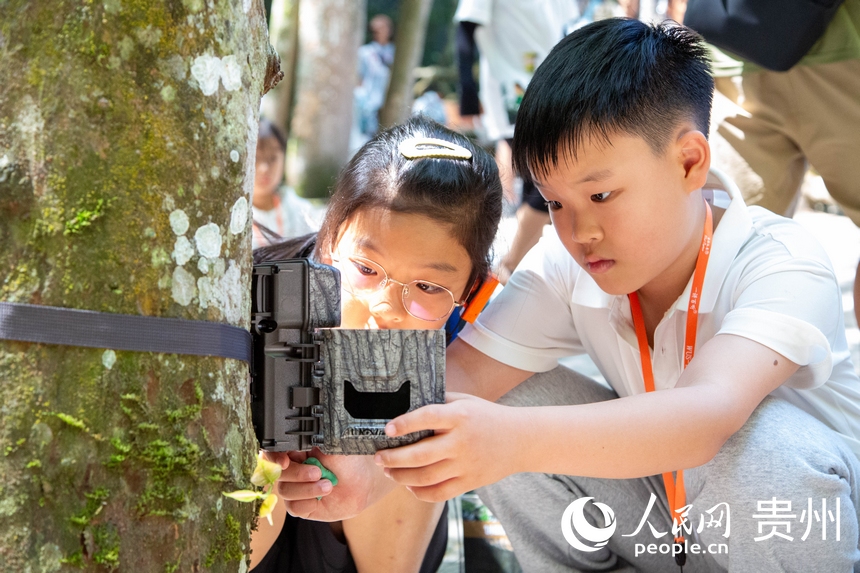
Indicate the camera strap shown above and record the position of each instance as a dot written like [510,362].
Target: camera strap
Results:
[91,329]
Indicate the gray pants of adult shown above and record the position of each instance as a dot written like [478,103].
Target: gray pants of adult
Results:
[781,455]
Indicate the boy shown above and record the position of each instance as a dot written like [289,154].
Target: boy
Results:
[765,418]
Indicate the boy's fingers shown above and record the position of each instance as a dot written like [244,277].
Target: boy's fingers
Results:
[300,473]
[280,458]
[453,396]
[431,417]
[439,492]
[422,477]
[303,508]
[427,451]
[304,491]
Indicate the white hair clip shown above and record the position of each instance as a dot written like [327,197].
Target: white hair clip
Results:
[417,148]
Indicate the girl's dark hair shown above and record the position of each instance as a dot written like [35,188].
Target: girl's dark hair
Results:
[269,129]
[465,194]
[611,77]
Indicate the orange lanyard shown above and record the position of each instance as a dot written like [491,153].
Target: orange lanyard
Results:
[675,486]
[279,220]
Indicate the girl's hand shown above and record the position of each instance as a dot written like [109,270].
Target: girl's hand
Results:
[360,484]
[474,445]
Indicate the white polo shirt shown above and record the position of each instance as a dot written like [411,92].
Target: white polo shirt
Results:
[767,280]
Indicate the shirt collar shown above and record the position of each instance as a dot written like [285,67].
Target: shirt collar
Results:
[729,237]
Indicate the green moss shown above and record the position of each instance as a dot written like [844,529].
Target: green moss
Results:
[106,541]
[119,445]
[85,217]
[160,499]
[228,546]
[218,474]
[75,559]
[9,450]
[122,452]
[171,460]
[96,501]
[72,421]
[190,412]
[108,147]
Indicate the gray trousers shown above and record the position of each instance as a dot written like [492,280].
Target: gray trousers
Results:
[740,517]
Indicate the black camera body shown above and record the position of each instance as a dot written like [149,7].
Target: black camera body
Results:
[314,385]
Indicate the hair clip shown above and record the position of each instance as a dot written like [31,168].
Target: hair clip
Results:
[417,148]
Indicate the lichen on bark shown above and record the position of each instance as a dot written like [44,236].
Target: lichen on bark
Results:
[112,458]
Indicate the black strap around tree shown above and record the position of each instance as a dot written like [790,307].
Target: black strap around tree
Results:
[74,327]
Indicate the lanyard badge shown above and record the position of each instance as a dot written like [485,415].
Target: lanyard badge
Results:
[675,485]
[478,299]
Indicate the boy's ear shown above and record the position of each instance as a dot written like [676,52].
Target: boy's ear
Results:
[694,155]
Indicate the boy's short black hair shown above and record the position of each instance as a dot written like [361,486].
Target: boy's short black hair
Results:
[613,76]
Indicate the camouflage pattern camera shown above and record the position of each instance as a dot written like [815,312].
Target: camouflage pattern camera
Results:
[334,389]
[372,376]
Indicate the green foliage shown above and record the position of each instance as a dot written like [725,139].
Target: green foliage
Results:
[72,421]
[12,449]
[122,451]
[170,458]
[75,559]
[106,541]
[228,546]
[84,218]
[96,501]
[218,474]
[190,412]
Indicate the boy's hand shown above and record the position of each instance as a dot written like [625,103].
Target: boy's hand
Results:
[360,484]
[474,445]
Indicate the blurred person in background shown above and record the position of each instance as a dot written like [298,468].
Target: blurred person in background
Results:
[374,71]
[769,126]
[513,37]
[278,213]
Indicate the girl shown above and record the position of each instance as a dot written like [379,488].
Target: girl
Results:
[278,211]
[409,226]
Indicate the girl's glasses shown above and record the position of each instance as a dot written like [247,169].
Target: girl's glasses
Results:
[424,300]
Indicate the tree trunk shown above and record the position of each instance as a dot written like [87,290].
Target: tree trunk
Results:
[284,32]
[331,32]
[408,50]
[127,142]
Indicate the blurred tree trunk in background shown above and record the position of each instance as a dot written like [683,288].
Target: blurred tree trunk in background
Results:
[127,142]
[330,33]
[408,49]
[284,33]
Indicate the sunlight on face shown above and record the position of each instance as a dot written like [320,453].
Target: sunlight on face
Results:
[623,212]
[409,247]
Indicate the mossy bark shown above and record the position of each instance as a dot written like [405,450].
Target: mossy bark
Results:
[326,73]
[127,141]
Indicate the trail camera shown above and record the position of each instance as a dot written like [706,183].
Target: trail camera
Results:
[315,385]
